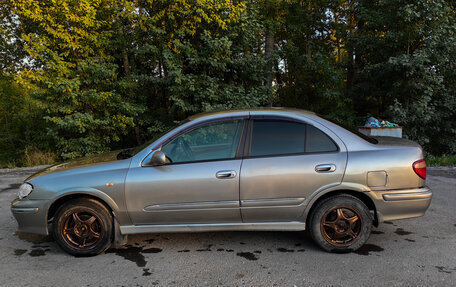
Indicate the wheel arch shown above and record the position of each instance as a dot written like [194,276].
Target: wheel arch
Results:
[78,194]
[358,194]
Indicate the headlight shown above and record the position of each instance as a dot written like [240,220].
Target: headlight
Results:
[24,190]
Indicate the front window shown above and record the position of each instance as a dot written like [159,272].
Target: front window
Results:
[219,140]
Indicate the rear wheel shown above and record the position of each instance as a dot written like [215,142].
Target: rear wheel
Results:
[83,227]
[341,223]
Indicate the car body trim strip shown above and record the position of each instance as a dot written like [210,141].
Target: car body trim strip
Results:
[192,205]
[407,196]
[272,202]
[257,226]
[31,210]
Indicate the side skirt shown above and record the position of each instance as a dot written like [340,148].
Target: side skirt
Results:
[259,226]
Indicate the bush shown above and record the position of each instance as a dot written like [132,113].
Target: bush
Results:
[34,157]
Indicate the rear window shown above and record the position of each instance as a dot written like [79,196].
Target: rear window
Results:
[353,131]
[281,137]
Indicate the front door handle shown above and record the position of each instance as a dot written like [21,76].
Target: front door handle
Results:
[325,167]
[225,174]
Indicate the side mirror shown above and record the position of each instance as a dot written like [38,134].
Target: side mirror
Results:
[158,158]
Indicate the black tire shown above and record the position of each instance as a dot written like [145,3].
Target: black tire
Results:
[88,232]
[340,223]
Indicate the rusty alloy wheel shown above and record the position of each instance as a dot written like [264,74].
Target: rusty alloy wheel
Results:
[341,225]
[82,229]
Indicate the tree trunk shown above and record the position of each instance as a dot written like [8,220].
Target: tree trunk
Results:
[123,45]
[309,32]
[336,19]
[279,83]
[268,52]
[350,50]
[126,62]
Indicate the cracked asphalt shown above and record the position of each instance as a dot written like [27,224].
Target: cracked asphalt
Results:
[412,252]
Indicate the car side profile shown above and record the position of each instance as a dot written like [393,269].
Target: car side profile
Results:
[261,169]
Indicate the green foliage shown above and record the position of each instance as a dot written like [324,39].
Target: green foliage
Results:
[443,160]
[84,111]
[407,75]
[20,121]
[83,77]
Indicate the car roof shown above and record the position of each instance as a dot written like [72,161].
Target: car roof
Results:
[269,111]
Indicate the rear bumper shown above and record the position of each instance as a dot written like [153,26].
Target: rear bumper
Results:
[30,215]
[403,203]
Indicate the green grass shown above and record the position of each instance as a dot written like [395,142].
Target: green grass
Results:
[444,160]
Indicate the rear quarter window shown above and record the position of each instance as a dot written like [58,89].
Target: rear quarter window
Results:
[318,141]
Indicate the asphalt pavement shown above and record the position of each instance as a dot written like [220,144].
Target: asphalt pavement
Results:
[412,252]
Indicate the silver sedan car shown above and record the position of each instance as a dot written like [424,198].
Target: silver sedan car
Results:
[262,169]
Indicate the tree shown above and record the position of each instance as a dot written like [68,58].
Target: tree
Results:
[73,76]
[96,75]
[407,48]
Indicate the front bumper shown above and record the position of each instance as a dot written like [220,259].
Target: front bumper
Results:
[401,203]
[31,215]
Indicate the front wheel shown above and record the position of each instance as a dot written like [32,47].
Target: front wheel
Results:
[341,223]
[83,227]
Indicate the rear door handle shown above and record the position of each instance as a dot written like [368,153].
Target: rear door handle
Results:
[325,167]
[225,174]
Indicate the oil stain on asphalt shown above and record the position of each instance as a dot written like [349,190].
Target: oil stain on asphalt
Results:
[444,269]
[366,249]
[38,252]
[209,247]
[12,186]
[247,255]
[146,272]
[19,252]
[134,254]
[400,231]
[281,249]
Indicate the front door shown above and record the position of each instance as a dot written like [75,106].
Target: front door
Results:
[286,163]
[200,184]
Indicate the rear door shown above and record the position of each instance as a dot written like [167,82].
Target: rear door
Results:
[285,163]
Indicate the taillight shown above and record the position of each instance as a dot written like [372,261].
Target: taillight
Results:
[419,167]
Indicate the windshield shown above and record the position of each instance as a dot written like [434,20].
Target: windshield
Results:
[353,131]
